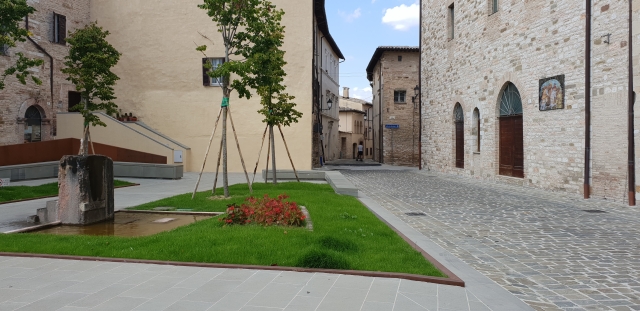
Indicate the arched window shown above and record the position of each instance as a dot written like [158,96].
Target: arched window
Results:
[511,133]
[476,128]
[459,125]
[32,125]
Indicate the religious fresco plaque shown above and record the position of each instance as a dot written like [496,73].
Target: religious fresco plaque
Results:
[551,93]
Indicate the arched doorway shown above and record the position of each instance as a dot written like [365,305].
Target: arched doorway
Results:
[511,133]
[32,125]
[459,123]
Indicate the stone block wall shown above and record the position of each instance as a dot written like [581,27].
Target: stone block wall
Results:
[523,42]
[16,98]
[400,146]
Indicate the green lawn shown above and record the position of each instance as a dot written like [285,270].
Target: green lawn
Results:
[14,193]
[346,236]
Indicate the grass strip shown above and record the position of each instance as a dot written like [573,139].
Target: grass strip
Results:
[16,193]
[346,236]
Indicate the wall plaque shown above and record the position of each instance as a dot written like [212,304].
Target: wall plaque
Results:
[551,93]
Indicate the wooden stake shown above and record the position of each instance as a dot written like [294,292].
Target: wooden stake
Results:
[206,154]
[215,181]
[259,154]
[289,154]
[266,174]
[240,152]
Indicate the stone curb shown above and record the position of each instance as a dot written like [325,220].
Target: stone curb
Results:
[404,276]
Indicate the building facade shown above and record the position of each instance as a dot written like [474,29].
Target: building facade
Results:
[163,84]
[393,74]
[326,82]
[354,127]
[504,93]
[28,112]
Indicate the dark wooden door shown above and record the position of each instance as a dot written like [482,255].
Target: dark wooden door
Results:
[460,144]
[511,147]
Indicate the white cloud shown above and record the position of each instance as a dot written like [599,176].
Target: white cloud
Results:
[402,17]
[351,16]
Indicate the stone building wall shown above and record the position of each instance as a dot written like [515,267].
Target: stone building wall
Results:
[400,146]
[16,98]
[523,42]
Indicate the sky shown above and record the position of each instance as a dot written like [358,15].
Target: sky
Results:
[360,26]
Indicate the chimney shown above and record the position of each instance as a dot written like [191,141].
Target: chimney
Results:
[345,92]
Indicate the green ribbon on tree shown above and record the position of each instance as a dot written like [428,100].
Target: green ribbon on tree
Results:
[225,102]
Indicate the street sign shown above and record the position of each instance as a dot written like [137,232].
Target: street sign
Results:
[4,182]
[392,126]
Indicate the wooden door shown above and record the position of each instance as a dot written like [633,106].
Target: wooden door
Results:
[460,144]
[511,147]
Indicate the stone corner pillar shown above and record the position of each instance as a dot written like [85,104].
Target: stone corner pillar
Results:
[85,189]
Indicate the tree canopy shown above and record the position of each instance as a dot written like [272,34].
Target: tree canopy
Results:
[12,12]
[88,66]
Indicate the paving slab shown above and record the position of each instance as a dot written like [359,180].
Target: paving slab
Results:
[539,246]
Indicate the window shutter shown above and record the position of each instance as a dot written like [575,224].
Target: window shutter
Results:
[206,80]
[62,29]
[54,33]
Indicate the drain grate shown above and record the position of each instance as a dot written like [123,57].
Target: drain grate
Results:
[595,211]
[415,214]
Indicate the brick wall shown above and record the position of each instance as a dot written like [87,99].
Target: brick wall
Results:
[16,98]
[523,42]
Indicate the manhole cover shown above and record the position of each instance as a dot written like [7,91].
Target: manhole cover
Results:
[595,211]
[416,214]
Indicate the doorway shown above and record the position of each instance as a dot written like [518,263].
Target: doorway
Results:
[32,125]
[511,133]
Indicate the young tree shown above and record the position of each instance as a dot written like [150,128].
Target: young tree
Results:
[11,13]
[267,61]
[89,65]
[235,19]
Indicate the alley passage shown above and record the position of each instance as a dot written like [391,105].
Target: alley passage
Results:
[553,251]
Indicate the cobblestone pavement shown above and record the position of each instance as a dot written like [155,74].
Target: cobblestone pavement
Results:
[542,247]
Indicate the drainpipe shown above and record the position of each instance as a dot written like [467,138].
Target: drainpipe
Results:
[587,105]
[420,91]
[26,23]
[632,160]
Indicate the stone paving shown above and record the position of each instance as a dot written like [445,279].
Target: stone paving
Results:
[51,284]
[541,246]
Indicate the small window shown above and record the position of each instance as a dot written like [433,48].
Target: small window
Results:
[399,96]
[206,79]
[74,99]
[59,28]
[399,58]
[494,6]
[451,23]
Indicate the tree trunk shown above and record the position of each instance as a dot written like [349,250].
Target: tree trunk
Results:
[225,177]
[84,144]
[273,153]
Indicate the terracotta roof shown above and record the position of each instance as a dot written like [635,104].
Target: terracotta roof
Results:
[381,49]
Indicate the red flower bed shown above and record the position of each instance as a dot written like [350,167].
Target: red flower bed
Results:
[266,212]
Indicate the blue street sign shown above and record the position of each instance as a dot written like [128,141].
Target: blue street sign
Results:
[392,126]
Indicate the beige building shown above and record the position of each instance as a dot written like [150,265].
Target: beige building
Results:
[162,82]
[353,127]
[505,94]
[393,73]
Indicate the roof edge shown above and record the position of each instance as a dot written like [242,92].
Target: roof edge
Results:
[323,24]
[381,49]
